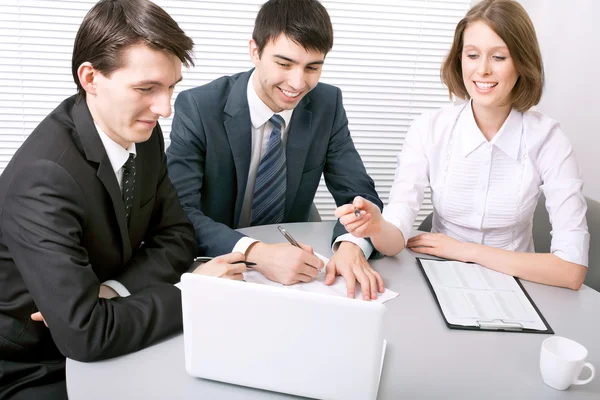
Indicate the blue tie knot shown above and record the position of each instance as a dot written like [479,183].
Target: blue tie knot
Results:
[277,121]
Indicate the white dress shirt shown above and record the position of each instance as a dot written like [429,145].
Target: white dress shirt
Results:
[117,156]
[486,192]
[260,114]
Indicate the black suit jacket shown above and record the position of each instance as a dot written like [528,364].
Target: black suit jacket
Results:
[209,158]
[63,231]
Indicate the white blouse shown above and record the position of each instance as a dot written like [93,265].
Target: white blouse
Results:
[486,192]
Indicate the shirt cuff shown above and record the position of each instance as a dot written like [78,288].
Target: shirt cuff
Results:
[117,287]
[243,244]
[364,244]
[571,246]
[178,285]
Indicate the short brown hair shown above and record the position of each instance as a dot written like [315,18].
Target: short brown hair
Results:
[112,26]
[305,22]
[510,21]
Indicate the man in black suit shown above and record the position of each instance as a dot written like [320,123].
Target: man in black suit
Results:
[87,199]
[250,149]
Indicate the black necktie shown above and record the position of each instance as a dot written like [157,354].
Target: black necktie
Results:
[128,184]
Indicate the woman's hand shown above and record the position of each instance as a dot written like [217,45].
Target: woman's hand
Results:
[440,245]
[367,224]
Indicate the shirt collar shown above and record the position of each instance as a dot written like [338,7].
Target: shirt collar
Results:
[508,138]
[471,137]
[117,155]
[260,113]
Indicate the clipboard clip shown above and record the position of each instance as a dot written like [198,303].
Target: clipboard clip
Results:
[499,324]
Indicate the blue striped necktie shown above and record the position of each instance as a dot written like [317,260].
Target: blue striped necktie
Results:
[269,191]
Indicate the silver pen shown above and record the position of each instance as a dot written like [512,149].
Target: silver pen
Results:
[293,242]
[288,237]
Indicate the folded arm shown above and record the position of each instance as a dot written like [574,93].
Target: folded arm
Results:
[42,225]
[545,268]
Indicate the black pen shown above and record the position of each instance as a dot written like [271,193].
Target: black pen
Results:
[356,212]
[206,259]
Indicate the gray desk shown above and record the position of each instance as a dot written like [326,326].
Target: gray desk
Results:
[424,358]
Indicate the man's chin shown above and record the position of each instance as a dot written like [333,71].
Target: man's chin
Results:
[289,105]
[140,136]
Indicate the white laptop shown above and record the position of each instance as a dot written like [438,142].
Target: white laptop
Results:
[288,341]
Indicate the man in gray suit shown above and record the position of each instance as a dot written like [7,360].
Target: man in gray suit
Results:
[250,149]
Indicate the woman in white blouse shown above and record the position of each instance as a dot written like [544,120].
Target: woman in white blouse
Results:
[487,161]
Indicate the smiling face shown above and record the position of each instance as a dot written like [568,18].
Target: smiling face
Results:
[285,72]
[127,104]
[488,70]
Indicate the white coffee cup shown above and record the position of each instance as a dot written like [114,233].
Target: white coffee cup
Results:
[561,362]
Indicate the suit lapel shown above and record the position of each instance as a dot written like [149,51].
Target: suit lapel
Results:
[95,152]
[300,136]
[239,133]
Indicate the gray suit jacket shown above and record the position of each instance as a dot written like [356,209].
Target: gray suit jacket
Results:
[209,158]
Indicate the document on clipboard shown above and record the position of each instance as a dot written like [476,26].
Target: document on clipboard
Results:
[473,297]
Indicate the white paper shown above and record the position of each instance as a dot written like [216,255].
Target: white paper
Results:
[472,295]
[338,288]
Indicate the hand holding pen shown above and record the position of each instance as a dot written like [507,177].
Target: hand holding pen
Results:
[361,218]
[293,242]
[283,263]
[228,266]
[349,267]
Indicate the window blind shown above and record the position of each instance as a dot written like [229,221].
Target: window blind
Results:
[385,59]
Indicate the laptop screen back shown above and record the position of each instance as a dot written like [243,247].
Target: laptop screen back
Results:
[282,340]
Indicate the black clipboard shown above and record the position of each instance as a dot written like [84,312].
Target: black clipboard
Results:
[491,327]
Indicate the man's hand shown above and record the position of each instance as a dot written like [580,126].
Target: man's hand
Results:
[105,292]
[39,318]
[440,245]
[350,262]
[285,263]
[226,266]
[369,222]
